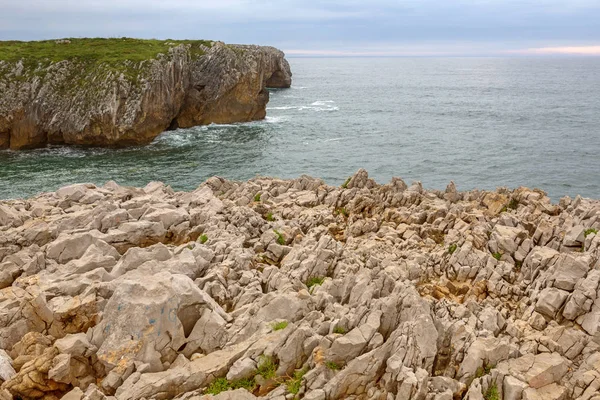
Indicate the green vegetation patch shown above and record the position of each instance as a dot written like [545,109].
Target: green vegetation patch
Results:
[497,256]
[333,366]
[590,231]
[294,383]
[95,59]
[492,393]
[317,280]
[257,197]
[485,370]
[270,217]
[452,248]
[341,211]
[345,184]
[339,330]
[277,326]
[280,238]
[267,367]
[222,384]
[99,50]
[203,239]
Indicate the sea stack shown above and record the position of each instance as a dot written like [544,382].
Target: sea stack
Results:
[125,92]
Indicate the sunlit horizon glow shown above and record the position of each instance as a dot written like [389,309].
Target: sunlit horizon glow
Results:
[450,52]
[569,50]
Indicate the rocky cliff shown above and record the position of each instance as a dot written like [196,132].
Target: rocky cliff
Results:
[295,289]
[92,99]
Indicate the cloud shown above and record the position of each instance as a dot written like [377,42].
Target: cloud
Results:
[399,27]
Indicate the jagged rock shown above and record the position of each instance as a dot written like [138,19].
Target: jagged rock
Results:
[575,236]
[32,380]
[9,217]
[377,292]
[548,392]
[550,301]
[6,368]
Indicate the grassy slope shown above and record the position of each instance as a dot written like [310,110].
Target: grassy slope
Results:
[109,51]
[96,58]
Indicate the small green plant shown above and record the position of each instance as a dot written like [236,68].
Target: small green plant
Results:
[332,366]
[513,204]
[203,239]
[317,280]
[270,217]
[293,385]
[249,384]
[280,238]
[222,384]
[342,211]
[452,248]
[345,184]
[485,370]
[504,209]
[518,265]
[257,197]
[340,330]
[497,256]
[267,367]
[277,326]
[590,231]
[217,386]
[492,393]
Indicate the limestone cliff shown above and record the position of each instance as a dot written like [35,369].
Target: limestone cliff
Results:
[78,101]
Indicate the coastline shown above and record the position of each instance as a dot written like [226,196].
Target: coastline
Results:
[123,92]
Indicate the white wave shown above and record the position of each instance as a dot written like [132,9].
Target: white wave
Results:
[282,108]
[322,102]
[334,139]
[312,107]
[274,120]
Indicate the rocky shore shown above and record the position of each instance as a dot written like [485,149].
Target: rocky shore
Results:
[97,99]
[286,289]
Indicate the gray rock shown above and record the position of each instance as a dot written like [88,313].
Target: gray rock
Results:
[550,301]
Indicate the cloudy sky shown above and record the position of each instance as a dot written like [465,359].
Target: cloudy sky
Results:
[325,27]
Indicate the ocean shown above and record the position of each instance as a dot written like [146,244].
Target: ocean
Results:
[481,122]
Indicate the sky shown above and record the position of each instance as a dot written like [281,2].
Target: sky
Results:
[325,27]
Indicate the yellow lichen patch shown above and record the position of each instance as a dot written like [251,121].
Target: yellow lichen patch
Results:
[494,202]
[456,292]
[121,356]
[319,356]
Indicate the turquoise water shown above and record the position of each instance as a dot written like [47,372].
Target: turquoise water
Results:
[482,122]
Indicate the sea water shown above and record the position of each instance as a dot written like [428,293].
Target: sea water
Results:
[482,122]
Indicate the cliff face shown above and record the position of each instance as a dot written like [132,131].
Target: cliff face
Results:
[76,101]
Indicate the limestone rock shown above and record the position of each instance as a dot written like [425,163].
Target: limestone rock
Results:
[214,83]
[378,292]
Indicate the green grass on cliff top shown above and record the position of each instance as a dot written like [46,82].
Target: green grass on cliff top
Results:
[96,50]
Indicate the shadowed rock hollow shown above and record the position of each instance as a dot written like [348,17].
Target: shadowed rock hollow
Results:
[98,103]
[295,289]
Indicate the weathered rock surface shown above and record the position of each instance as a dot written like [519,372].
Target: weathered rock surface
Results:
[307,291]
[71,102]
